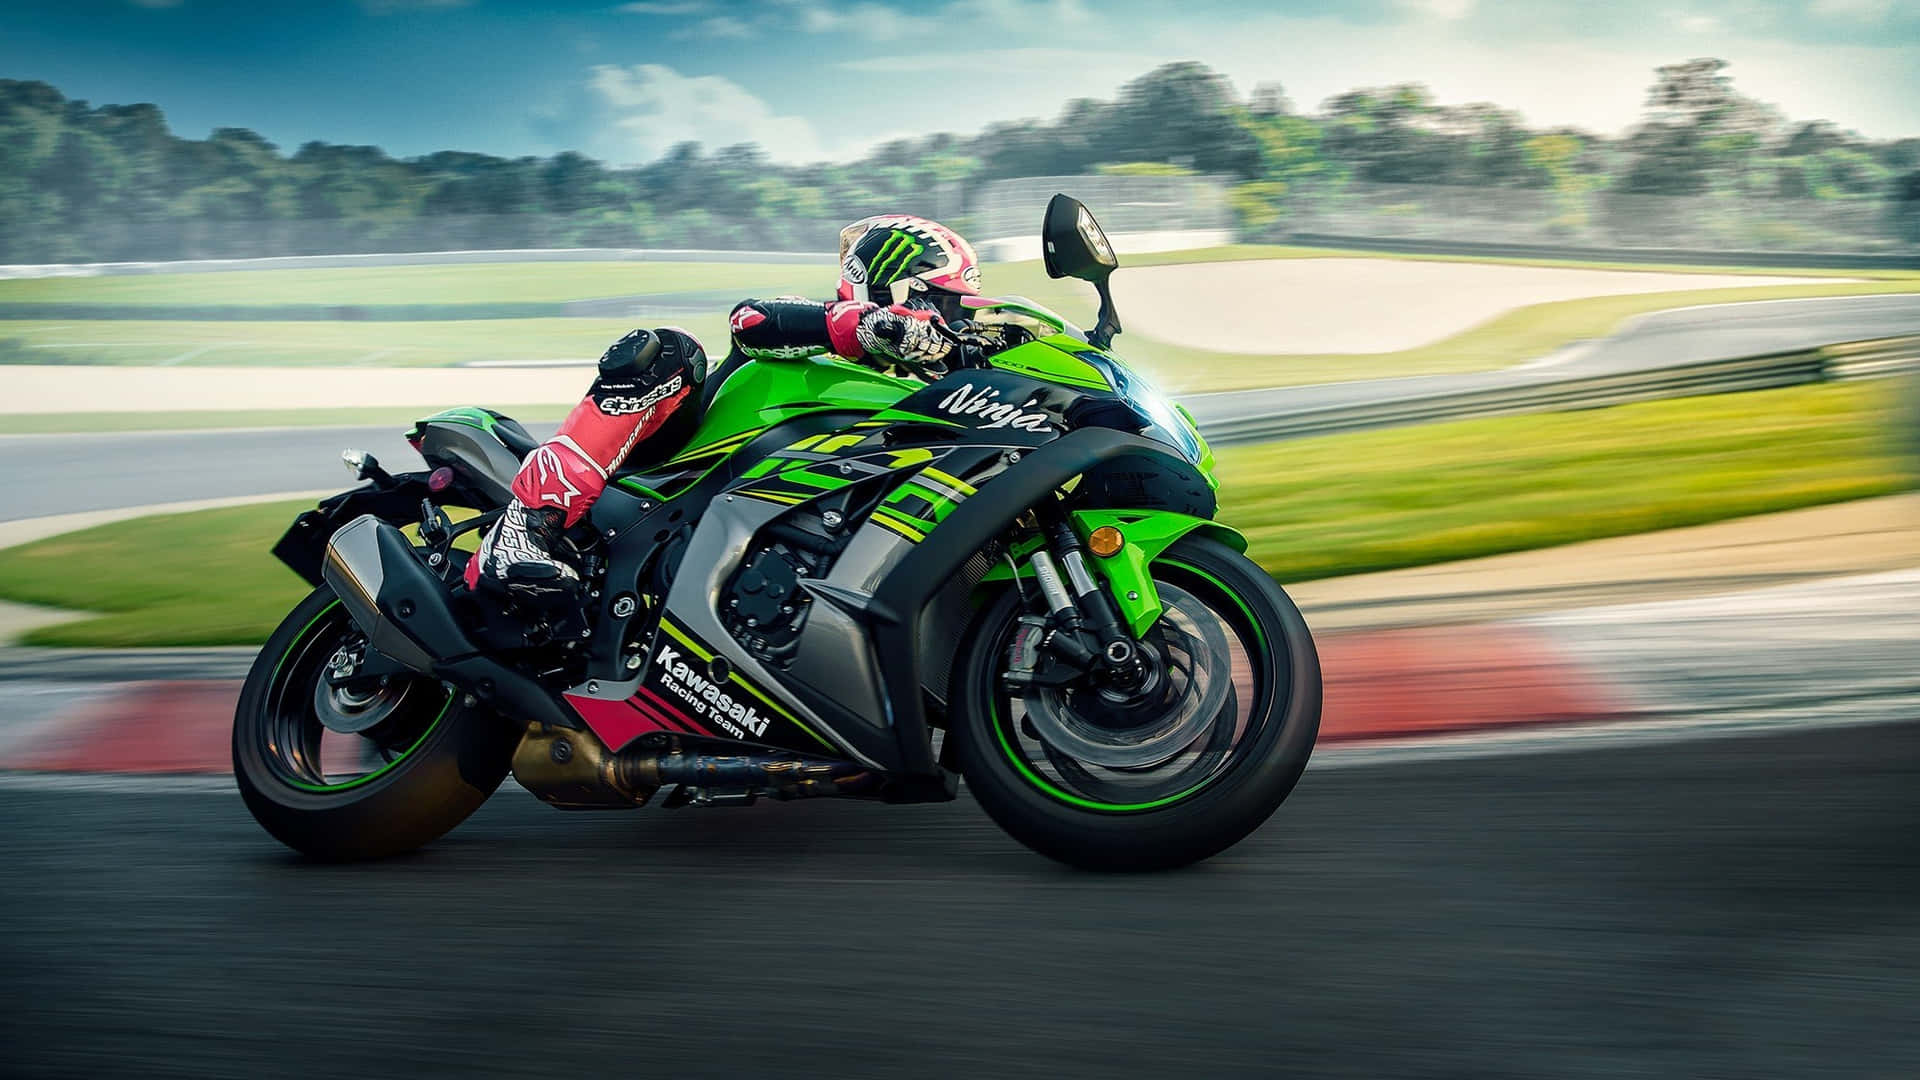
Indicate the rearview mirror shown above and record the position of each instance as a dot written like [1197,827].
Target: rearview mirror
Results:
[1073,244]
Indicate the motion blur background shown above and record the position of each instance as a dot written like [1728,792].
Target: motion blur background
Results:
[1560,361]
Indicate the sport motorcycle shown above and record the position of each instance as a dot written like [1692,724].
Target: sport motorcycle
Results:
[847,585]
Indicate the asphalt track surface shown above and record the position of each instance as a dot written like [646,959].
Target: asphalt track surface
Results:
[1741,907]
[56,474]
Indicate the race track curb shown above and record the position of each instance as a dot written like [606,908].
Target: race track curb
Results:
[1378,685]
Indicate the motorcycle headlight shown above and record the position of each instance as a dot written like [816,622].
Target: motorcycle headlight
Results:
[1165,423]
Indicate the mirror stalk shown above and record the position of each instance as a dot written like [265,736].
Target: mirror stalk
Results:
[1107,323]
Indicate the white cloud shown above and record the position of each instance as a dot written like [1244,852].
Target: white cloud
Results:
[651,108]
[1696,23]
[873,22]
[955,20]
[1859,10]
[665,7]
[720,26]
[1445,10]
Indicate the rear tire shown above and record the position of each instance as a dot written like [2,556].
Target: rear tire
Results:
[446,757]
[1075,826]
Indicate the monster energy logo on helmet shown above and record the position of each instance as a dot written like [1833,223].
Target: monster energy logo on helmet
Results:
[893,258]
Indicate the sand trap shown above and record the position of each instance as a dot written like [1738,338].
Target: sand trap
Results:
[1362,305]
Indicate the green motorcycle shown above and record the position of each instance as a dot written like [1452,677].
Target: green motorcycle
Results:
[850,585]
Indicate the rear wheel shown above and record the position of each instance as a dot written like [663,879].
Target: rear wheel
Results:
[340,767]
[1160,779]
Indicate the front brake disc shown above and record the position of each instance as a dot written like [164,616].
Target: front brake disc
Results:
[1198,680]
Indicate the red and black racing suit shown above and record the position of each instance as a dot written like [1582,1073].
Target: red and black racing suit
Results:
[646,398]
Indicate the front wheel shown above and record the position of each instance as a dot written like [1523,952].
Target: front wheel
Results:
[341,767]
[1161,780]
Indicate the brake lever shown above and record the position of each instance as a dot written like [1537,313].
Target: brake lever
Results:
[973,349]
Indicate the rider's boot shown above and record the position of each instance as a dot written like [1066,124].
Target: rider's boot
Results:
[645,379]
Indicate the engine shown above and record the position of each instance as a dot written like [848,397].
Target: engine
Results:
[763,607]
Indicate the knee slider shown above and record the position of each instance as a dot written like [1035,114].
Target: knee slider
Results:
[631,355]
[679,350]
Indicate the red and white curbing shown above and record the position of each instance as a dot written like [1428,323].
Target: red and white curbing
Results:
[1833,651]
[1378,684]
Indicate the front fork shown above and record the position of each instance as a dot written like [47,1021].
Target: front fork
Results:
[1083,628]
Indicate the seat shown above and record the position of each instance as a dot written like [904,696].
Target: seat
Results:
[512,435]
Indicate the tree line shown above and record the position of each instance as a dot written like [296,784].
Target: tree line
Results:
[112,182]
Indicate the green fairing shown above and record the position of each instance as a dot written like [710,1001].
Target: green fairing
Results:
[766,392]
[467,415]
[1206,462]
[1128,574]
[1049,359]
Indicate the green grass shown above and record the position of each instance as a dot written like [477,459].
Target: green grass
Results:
[1381,500]
[1313,508]
[560,281]
[1516,336]
[308,344]
[394,416]
[461,284]
[1230,252]
[201,578]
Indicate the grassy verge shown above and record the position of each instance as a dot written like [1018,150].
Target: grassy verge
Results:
[393,416]
[167,343]
[480,283]
[1313,508]
[468,283]
[1381,500]
[1516,336]
[1230,252]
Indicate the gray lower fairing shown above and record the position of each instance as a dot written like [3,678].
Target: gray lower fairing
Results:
[859,675]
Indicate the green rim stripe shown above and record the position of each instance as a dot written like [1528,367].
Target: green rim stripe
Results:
[389,766]
[1231,594]
[298,638]
[1038,781]
[382,770]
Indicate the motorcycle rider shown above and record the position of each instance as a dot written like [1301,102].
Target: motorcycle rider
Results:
[902,279]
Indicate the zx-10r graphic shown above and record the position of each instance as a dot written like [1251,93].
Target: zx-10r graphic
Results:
[850,585]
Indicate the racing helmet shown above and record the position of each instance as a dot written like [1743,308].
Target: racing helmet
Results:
[891,258]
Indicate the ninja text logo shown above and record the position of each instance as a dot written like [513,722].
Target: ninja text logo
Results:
[707,698]
[986,404]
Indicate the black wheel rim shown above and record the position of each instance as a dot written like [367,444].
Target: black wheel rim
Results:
[1191,594]
[303,752]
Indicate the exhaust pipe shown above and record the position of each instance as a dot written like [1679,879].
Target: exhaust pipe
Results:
[403,610]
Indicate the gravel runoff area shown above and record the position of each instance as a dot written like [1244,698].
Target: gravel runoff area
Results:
[1861,537]
[1274,306]
[1312,306]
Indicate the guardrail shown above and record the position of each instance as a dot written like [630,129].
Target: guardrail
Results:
[1824,260]
[1853,360]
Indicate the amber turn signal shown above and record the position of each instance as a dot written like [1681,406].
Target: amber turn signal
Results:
[1105,541]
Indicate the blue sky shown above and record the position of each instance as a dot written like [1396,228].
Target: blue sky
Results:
[812,80]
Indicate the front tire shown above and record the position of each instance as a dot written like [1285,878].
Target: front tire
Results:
[1193,804]
[424,762]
